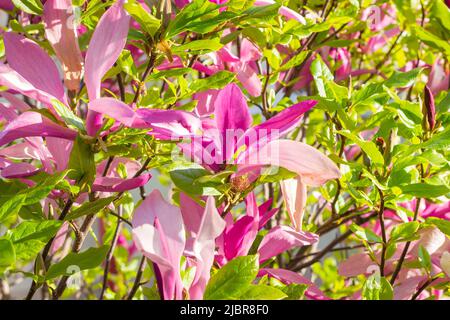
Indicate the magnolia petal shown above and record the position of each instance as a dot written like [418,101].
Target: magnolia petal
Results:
[19,170]
[33,124]
[284,11]
[206,101]
[20,151]
[14,81]
[356,264]
[154,206]
[171,123]
[445,263]
[314,167]
[107,42]
[34,64]
[15,102]
[431,239]
[60,238]
[233,238]
[211,227]
[59,149]
[282,238]
[288,277]
[60,31]
[231,110]
[408,287]
[274,128]
[118,111]
[250,80]
[192,213]
[294,194]
[112,184]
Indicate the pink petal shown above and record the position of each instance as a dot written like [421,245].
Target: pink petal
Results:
[118,111]
[60,31]
[211,227]
[59,149]
[15,102]
[206,101]
[276,127]
[250,80]
[284,11]
[32,63]
[159,233]
[234,238]
[408,287]
[171,123]
[19,170]
[33,124]
[314,168]
[231,110]
[288,277]
[356,264]
[14,81]
[107,42]
[192,213]
[283,238]
[294,195]
[111,184]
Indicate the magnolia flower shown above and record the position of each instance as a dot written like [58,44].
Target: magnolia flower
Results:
[159,233]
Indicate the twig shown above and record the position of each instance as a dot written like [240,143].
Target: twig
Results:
[137,281]
[110,254]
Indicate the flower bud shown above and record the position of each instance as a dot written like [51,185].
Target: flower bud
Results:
[429,110]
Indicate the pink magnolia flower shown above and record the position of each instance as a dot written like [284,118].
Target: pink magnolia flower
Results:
[159,233]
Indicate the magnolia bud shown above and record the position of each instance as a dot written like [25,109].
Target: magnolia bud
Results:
[430,110]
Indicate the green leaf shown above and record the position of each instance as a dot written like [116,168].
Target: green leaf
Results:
[377,288]
[321,73]
[404,231]
[67,115]
[199,16]
[443,225]
[294,61]
[89,208]
[441,12]
[425,190]
[34,230]
[216,81]
[88,259]
[239,5]
[369,148]
[403,79]
[7,253]
[262,292]
[30,237]
[11,207]
[82,163]
[149,23]
[431,39]
[202,46]
[232,279]
[365,234]
[29,6]
[424,258]
[295,291]
[185,179]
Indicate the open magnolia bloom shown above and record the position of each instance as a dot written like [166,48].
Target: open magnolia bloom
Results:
[160,234]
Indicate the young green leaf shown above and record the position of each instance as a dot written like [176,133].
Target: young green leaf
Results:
[233,279]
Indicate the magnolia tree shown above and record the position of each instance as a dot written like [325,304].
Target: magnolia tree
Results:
[196,149]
